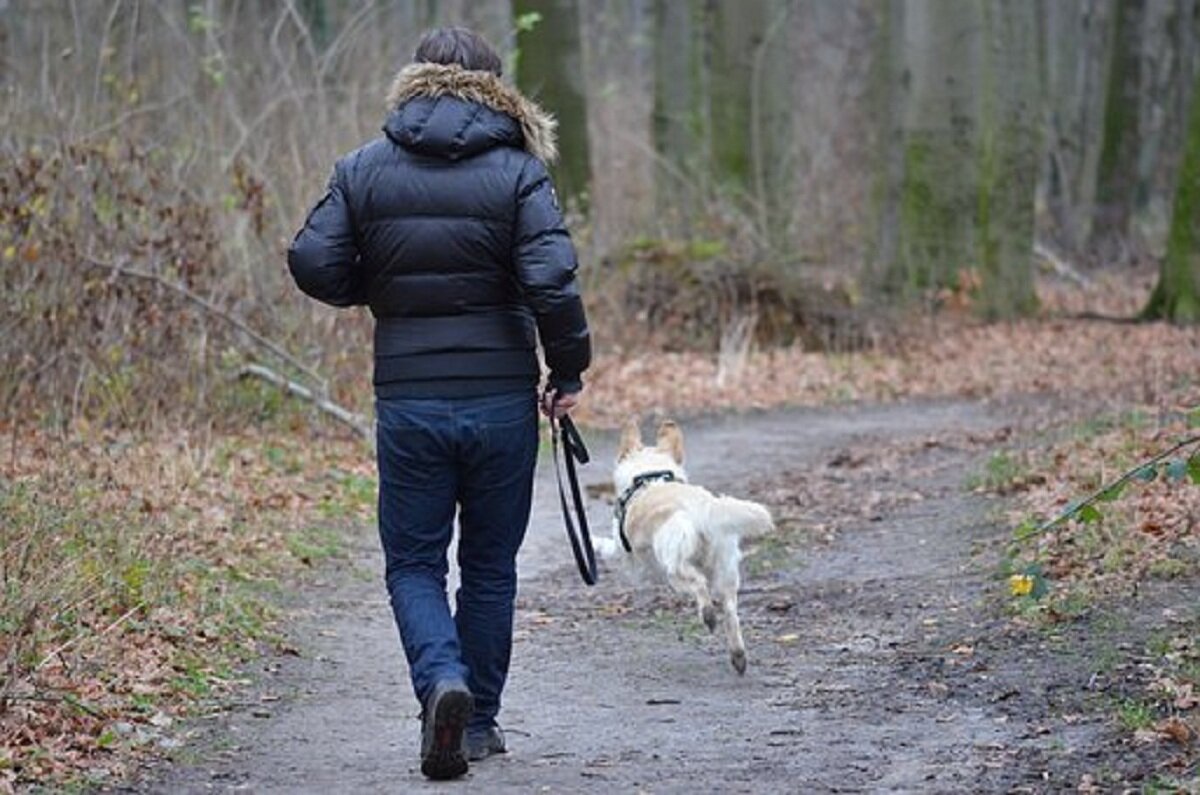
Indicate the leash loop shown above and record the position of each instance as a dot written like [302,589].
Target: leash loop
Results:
[564,433]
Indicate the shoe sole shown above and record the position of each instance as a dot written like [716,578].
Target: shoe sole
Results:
[445,758]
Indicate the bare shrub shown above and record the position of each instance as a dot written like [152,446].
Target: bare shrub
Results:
[81,338]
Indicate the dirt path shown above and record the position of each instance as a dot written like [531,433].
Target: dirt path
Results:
[875,662]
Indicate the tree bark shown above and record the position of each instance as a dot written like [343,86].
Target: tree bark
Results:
[888,91]
[1177,295]
[619,60]
[550,69]
[1075,39]
[1169,57]
[681,129]
[959,197]
[935,240]
[1117,172]
[734,28]
[1009,153]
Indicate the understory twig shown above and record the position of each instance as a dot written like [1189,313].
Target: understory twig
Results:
[1060,266]
[241,325]
[355,421]
[63,647]
[1075,507]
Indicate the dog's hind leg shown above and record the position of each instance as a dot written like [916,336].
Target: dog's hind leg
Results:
[733,633]
[725,589]
[688,579]
[674,547]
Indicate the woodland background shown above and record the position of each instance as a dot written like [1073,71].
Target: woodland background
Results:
[741,174]
[775,202]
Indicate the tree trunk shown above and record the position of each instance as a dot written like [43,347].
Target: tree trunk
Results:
[1117,174]
[681,132]
[550,69]
[734,29]
[316,16]
[886,96]
[619,58]
[937,200]
[749,103]
[1075,39]
[1008,157]
[958,197]
[1177,295]
[1169,55]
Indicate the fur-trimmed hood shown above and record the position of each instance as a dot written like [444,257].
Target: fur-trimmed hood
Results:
[434,81]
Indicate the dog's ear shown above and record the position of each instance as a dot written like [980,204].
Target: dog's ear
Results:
[670,440]
[631,438]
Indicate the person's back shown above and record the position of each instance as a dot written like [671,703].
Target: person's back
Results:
[459,241]
[448,228]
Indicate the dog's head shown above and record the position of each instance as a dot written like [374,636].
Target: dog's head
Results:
[635,458]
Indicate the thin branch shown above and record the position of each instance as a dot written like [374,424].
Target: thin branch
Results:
[141,110]
[63,647]
[235,321]
[355,421]
[1074,508]
[1059,265]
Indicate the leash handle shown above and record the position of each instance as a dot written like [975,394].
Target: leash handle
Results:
[564,432]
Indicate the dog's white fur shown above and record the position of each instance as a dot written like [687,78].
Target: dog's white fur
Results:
[685,532]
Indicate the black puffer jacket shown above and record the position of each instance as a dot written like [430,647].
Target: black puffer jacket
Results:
[449,230]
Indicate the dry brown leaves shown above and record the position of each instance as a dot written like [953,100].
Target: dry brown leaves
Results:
[1151,530]
[963,360]
[130,568]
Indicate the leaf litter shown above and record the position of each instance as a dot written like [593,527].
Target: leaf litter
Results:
[103,652]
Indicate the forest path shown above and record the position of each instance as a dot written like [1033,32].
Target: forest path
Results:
[875,662]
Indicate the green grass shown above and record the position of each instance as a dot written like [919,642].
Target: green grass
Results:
[769,553]
[1168,569]
[1000,471]
[1134,714]
[314,544]
[353,495]
[1162,784]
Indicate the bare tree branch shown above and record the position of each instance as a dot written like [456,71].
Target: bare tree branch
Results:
[355,421]
[208,306]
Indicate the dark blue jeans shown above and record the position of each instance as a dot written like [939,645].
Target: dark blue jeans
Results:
[476,454]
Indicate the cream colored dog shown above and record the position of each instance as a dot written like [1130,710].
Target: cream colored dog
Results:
[685,532]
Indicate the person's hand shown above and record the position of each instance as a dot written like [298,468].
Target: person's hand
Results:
[556,405]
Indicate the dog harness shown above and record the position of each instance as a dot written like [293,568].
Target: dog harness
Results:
[639,483]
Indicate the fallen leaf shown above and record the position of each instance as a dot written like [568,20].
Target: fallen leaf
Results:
[1176,729]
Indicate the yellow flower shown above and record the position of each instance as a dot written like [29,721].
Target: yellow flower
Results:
[1020,584]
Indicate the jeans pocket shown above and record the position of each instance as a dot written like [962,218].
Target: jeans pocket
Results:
[512,431]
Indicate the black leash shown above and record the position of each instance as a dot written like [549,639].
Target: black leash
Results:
[563,432]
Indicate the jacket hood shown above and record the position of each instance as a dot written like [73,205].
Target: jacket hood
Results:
[436,108]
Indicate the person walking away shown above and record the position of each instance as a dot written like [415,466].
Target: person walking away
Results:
[447,227]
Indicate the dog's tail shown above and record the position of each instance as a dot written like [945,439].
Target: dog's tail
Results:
[742,518]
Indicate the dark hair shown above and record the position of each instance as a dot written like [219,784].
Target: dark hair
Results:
[458,46]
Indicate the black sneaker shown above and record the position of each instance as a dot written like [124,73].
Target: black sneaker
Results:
[482,743]
[446,714]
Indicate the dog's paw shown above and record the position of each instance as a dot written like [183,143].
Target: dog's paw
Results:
[738,658]
[709,615]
